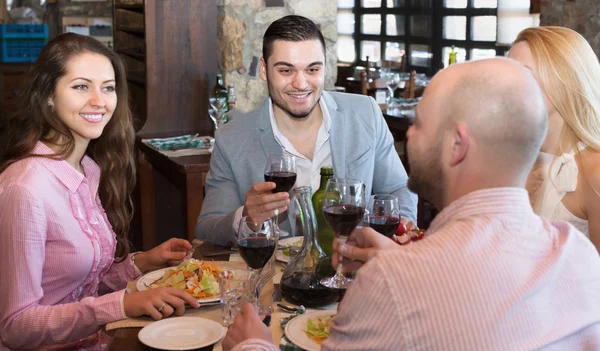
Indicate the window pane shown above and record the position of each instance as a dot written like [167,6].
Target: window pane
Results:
[455,27]
[371,3]
[455,4]
[345,22]
[478,54]
[483,28]
[420,25]
[371,24]
[514,5]
[395,25]
[394,51]
[461,55]
[345,4]
[485,4]
[509,26]
[420,55]
[345,49]
[395,3]
[371,49]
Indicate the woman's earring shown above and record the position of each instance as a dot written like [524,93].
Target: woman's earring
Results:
[50,104]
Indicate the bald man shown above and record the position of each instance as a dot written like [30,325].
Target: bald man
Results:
[490,274]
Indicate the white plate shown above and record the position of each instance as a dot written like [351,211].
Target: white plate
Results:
[181,333]
[279,256]
[155,275]
[295,333]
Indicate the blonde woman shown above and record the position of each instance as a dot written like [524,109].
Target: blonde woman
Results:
[565,182]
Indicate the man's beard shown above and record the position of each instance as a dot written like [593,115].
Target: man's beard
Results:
[281,104]
[426,176]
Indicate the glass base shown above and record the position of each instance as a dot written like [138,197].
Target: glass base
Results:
[282,233]
[337,282]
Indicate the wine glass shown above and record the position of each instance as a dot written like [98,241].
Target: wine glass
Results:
[384,214]
[343,208]
[256,242]
[281,170]
[217,111]
[218,118]
[392,80]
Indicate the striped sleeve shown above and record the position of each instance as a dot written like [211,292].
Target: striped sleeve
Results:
[366,319]
[255,345]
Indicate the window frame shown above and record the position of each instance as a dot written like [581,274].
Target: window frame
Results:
[436,10]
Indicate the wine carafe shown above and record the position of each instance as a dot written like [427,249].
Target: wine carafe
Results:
[300,281]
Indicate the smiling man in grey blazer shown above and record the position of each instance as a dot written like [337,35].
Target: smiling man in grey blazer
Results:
[299,118]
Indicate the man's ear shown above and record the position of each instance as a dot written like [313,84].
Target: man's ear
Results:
[263,69]
[460,144]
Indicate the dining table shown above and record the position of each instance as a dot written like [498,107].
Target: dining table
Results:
[126,338]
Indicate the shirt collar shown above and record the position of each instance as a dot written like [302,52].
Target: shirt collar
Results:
[63,171]
[482,202]
[277,133]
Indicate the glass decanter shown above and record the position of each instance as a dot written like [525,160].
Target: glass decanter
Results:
[300,281]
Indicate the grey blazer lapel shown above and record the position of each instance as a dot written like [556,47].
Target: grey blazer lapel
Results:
[267,139]
[337,137]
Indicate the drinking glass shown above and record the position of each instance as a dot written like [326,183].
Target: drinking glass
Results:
[392,80]
[384,214]
[218,118]
[256,242]
[218,109]
[235,287]
[343,208]
[281,170]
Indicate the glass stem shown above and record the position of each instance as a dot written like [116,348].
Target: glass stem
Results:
[255,286]
[339,273]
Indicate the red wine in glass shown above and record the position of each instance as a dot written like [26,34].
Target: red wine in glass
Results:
[343,218]
[385,225]
[256,251]
[284,181]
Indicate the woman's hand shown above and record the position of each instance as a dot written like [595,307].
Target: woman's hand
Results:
[158,303]
[170,253]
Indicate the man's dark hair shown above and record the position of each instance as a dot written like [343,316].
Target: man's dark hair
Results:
[290,28]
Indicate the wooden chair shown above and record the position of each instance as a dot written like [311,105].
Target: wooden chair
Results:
[409,89]
[399,66]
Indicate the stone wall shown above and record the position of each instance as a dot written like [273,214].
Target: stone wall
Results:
[241,25]
[580,15]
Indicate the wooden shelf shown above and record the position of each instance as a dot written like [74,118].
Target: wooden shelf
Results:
[132,30]
[132,53]
[136,77]
[133,7]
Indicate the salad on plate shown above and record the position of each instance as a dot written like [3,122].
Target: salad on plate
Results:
[318,329]
[199,278]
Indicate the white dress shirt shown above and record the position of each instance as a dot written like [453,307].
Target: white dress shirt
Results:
[308,172]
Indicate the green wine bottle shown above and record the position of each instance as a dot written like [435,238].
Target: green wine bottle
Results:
[325,234]
[452,56]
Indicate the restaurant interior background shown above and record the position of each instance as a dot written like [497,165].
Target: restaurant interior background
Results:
[173,50]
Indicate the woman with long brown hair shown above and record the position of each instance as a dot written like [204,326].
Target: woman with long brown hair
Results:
[565,182]
[67,172]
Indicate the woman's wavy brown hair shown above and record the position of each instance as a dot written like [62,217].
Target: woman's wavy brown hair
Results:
[112,151]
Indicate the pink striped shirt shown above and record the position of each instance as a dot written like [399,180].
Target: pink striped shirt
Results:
[59,282]
[491,275]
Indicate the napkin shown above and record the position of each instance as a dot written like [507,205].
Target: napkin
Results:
[185,145]
[180,142]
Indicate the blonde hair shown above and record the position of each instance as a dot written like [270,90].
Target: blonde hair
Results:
[569,73]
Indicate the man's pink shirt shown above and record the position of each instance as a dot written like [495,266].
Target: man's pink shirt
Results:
[490,275]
